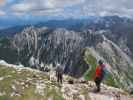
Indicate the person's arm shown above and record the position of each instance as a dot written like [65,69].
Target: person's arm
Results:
[56,71]
[95,73]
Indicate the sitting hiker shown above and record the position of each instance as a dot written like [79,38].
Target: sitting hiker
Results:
[99,74]
[59,74]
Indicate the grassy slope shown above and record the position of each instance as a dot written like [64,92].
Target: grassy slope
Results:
[25,82]
[12,77]
[89,74]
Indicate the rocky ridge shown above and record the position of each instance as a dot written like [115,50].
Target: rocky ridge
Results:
[18,82]
[77,52]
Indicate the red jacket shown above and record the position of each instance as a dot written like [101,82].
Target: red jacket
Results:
[98,71]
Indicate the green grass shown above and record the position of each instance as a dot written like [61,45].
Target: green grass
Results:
[53,94]
[91,60]
[4,98]
[28,93]
[110,81]
[89,74]
[4,41]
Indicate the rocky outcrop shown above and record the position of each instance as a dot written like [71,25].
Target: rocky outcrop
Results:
[77,52]
[28,84]
[49,46]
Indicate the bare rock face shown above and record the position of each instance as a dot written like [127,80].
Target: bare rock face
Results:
[130,88]
[41,47]
[36,45]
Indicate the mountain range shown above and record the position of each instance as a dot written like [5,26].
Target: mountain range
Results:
[75,44]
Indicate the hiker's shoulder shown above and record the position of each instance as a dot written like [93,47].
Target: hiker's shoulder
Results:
[104,65]
[98,66]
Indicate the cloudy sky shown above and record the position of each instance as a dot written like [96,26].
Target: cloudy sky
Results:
[65,8]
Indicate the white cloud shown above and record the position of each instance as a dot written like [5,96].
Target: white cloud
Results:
[45,7]
[48,12]
[2,13]
[21,7]
[108,7]
[84,7]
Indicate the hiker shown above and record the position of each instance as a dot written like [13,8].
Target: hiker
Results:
[99,74]
[59,74]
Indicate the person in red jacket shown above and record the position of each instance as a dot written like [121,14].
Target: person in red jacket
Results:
[99,75]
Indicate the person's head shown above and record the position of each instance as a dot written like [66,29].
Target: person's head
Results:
[58,65]
[100,62]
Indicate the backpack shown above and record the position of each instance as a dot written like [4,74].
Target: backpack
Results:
[59,70]
[104,72]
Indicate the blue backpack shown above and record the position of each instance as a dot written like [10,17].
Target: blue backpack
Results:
[104,73]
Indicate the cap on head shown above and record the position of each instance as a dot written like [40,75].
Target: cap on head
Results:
[100,62]
[58,65]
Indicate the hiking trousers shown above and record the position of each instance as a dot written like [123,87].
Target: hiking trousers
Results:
[59,78]
[98,81]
